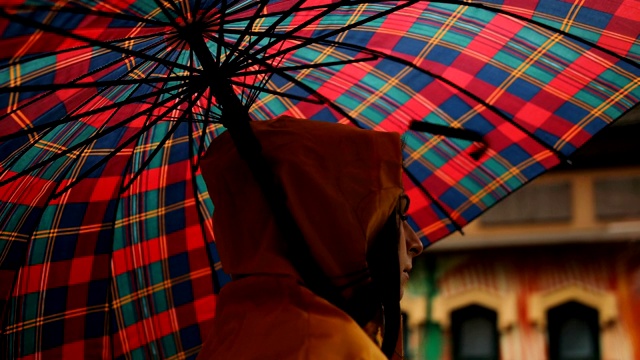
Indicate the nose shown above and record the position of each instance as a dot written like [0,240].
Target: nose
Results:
[414,245]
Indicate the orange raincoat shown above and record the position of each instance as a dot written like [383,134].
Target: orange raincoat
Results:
[341,185]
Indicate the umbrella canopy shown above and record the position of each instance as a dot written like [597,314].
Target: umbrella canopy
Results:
[106,244]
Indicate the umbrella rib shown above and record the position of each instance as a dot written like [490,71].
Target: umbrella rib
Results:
[26,59]
[203,134]
[96,84]
[178,10]
[433,199]
[307,8]
[42,96]
[124,144]
[62,32]
[49,126]
[85,141]
[326,35]
[542,25]
[88,113]
[277,93]
[245,51]
[91,12]
[271,29]
[312,66]
[245,30]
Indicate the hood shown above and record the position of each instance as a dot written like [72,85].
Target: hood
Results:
[341,185]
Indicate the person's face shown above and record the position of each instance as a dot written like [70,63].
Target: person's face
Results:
[409,247]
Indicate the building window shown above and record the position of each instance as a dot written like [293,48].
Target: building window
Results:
[573,332]
[474,334]
[534,203]
[618,198]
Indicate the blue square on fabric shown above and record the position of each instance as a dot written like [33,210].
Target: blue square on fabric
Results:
[361,38]
[556,8]
[443,55]
[571,112]
[190,337]
[453,198]
[72,215]
[44,79]
[179,265]
[111,57]
[417,80]
[595,125]
[278,80]
[174,220]
[594,18]
[515,154]
[479,124]
[53,333]
[178,151]
[98,292]
[175,193]
[408,45]
[419,171]
[15,255]
[455,107]
[325,115]
[523,89]
[533,170]
[96,324]
[392,68]
[492,75]
[472,211]
[55,301]
[107,142]
[545,137]
[64,247]
[182,293]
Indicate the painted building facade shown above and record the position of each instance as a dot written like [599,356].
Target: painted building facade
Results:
[553,272]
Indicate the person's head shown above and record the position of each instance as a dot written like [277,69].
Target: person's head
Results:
[409,245]
[343,188]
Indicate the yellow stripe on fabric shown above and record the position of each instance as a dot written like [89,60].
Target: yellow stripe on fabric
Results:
[129,60]
[433,227]
[46,267]
[153,213]
[121,325]
[21,190]
[38,322]
[599,111]
[85,229]
[571,16]
[118,301]
[164,253]
[59,65]
[15,78]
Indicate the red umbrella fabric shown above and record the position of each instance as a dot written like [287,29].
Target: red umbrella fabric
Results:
[106,244]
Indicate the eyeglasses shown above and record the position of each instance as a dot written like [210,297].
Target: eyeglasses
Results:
[403,206]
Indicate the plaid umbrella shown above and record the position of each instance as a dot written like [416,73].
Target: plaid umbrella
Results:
[106,245]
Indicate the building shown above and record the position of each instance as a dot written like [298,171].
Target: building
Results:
[552,272]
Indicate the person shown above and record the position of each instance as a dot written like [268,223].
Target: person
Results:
[343,188]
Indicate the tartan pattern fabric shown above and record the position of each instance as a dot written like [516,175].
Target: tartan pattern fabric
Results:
[106,241]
